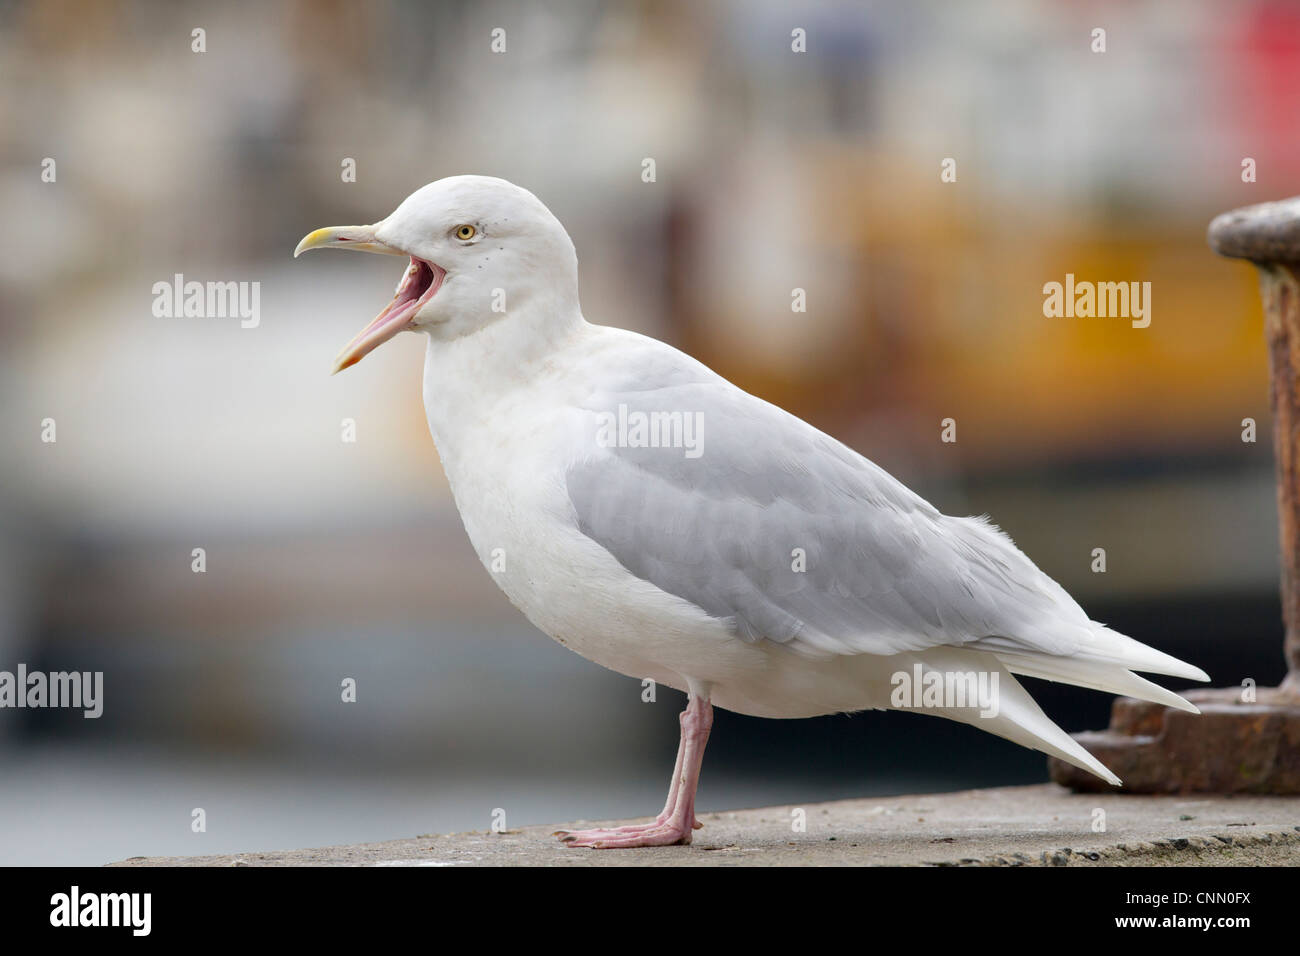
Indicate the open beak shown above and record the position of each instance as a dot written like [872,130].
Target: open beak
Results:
[420,283]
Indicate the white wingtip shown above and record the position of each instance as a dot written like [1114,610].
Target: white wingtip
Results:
[1116,648]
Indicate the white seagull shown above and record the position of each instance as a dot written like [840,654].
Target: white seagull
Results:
[656,519]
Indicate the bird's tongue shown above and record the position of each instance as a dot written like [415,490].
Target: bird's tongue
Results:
[418,286]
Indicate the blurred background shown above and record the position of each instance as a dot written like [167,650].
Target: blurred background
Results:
[775,170]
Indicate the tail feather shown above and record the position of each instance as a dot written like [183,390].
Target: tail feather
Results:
[1104,660]
[1021,720]
[1096,675]
[1018,718]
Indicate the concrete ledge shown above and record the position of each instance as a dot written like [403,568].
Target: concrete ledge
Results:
[1043,825]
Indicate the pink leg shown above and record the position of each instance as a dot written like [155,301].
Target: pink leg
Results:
[677,821]
[669,805]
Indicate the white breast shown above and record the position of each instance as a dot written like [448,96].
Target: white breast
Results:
[506,449]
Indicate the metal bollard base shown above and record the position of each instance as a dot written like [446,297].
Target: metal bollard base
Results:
[1233,746]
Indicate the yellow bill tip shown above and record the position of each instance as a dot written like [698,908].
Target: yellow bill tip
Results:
[315,239]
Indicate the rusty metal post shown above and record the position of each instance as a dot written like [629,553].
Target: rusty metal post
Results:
[1269,236]
[1237,744]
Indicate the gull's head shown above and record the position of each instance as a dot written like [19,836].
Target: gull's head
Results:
[480,248]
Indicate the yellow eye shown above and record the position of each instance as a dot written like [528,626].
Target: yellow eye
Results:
[465,232]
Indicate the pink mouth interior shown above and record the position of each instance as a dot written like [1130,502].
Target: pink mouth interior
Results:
[420,283]
[418,286]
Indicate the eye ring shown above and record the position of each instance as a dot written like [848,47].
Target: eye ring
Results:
[465,232]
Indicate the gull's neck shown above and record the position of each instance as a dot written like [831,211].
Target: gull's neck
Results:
[466,376]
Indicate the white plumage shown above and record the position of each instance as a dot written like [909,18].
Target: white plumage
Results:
[767,568]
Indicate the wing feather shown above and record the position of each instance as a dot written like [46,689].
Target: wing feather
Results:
[882,571]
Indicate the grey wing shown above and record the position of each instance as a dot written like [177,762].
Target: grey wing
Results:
[789,536]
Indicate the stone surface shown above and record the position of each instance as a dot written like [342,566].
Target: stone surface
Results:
[1230,747]
[1043,825]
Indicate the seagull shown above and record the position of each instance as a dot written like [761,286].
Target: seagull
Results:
[651,516]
